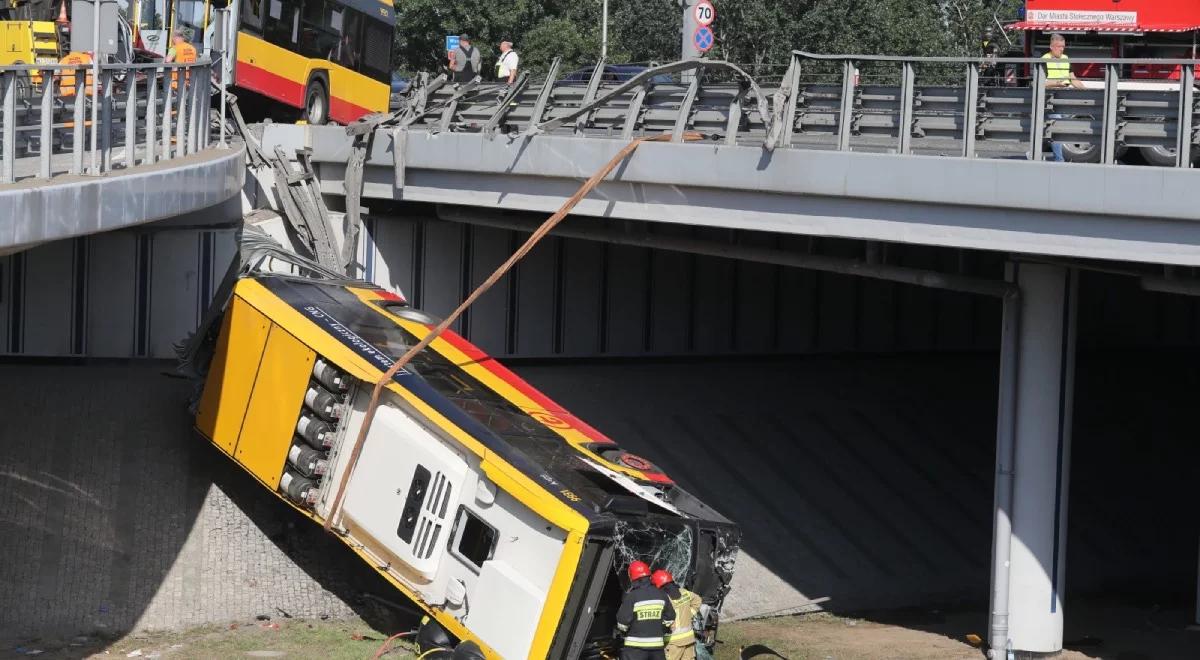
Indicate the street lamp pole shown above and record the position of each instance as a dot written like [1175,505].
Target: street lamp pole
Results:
[604,32]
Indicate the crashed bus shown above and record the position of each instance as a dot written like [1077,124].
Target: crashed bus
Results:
[506,519]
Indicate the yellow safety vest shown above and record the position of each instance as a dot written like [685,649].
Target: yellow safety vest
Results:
[686,607]
[1057,68]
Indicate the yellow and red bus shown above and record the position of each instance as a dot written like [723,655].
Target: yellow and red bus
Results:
[329,59]
[332,59]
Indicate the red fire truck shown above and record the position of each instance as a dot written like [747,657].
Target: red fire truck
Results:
[1168,29]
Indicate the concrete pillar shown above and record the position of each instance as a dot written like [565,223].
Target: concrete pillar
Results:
[1044,390]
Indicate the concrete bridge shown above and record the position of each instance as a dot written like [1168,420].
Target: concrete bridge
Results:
[766,239]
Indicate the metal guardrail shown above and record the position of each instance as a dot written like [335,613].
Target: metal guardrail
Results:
[947,106]
[55,120]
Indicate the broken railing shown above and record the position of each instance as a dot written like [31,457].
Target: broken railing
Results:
[55,119]
[969,107]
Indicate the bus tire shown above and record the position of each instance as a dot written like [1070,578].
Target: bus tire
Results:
[1081,152]
[316,103]
[1158,156]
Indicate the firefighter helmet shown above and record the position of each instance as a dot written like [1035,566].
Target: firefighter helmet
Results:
[662,578]
[638,570]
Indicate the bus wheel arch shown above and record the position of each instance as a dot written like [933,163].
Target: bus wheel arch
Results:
[316,98]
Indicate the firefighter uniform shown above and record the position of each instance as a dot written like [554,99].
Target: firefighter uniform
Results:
[681,641]
[644,619]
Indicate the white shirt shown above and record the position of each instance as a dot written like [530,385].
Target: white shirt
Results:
[507,63]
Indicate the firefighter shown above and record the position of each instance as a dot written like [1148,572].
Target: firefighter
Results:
[645,616]
[681,640]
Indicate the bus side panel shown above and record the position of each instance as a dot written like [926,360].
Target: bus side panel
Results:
[353,95]
[231,374]
[274,406]
[272,71]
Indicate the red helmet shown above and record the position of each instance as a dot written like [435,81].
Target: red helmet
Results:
[638,570]
[662,578]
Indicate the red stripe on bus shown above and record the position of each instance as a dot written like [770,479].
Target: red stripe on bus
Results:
[487,362]
[345,112]
[268,84]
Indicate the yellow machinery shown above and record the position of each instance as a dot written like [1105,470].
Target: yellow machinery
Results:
[28,42]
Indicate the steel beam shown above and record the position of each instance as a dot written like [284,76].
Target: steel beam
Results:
[908,76]
[1112,99]
[8,126]
[970,109]
[1037,114]
[1187,110]
[846,114]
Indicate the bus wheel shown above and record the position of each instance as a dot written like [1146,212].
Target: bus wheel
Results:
[316,103]
[1159,156]
[1081,153]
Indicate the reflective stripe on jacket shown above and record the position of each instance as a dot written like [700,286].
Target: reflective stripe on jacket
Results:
[1057,68]
[646,616]
[687,605]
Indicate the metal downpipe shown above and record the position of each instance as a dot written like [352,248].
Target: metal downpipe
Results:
[998,639]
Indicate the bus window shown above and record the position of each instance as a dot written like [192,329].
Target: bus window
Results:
[252,14]
[348,52]
[317,36]
[281,22]
[189,18]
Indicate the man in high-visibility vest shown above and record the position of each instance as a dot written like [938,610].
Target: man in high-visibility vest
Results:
[681,640]
[182,52]
[1059,76]
[66,79]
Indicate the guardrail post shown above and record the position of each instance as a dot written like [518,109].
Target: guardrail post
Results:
[131,116]
[846,118]
[791,102]
[47,118]
[151,115]
[206,107]
[1112,78]
[8,124]
[908,83]
[224,102]
[181,114]
[80,119]
[106,81]
[1037,117]
[1187,102]
[543,97]
[632,112]
[685,106]
[970,109]
[168,99]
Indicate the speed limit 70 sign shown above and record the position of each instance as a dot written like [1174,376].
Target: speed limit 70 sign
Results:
[704,13]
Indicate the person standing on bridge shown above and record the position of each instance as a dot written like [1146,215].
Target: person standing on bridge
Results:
[506,65]
[1059,76]
[644,617]
[465,61]
[181,51]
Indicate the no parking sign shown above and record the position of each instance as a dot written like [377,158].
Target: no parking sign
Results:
[703,39]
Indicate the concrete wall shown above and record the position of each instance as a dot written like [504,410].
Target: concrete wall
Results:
[137,293]
[864,479]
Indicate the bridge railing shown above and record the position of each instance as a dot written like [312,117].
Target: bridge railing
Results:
[55,119]
[968,107]
[985,103]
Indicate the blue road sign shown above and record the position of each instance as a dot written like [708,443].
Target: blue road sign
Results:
[451,42]
[703,38]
